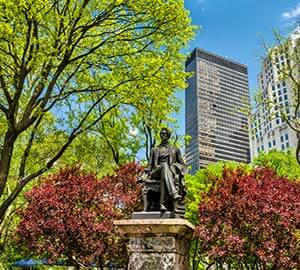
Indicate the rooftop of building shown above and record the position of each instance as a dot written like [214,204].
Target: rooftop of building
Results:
[295,34]
[192,55]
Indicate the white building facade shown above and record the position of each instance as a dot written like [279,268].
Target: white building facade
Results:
[268,129]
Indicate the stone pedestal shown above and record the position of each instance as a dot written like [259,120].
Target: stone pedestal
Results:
[157,244]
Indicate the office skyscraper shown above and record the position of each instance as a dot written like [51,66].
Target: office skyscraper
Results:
[216,104]
[268,129]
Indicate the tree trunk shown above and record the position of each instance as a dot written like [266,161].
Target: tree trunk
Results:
[194,262]
[5,158]
[5,205]
[298,148]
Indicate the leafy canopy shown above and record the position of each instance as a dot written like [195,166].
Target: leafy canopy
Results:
[283,163]
[68,67]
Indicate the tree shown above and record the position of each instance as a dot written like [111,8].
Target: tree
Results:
[283,163]
[250,221]
[70,215]
[198,185]
[74,62]
[11,220]
[149,122]
[201,183]
[113,140]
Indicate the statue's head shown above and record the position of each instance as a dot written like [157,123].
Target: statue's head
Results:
[165,134]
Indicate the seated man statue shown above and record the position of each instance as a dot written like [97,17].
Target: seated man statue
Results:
[167,166]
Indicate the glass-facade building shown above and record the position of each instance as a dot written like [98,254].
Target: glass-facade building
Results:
[216,107]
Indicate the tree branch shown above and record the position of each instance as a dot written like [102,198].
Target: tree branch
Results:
[22,182]
[28,147]
[298,148]
[4,109]
[4,87]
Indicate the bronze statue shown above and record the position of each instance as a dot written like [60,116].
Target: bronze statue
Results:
[167,168]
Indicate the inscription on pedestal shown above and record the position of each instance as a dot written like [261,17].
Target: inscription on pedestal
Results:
[152,261]
[157,244]
[158,253]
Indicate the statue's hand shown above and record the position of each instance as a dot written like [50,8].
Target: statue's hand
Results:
[142,177]
[148,171]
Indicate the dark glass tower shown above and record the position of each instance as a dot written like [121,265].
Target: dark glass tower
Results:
[216,106]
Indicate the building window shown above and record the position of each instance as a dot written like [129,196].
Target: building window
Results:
[274,143]
[270,144]
[282,147]
[281,138]
[287,145]
[286,137]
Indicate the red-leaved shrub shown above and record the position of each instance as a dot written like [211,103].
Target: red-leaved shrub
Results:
[71,216]
[251,219]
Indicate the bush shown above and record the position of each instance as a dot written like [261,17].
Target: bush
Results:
[250,219]
[283,163]
[71,216]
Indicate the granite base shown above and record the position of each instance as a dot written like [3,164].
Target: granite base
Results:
[153,215]
[157,244]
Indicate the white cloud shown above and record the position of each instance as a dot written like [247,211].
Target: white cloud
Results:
[292,14]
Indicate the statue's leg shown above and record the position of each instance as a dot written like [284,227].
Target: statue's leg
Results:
[162,199]
[157,174]
[167,176]
[145,202]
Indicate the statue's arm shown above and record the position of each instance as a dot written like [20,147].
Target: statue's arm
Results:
[179,158]
[181,165]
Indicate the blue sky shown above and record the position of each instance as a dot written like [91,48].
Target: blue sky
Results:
[237,28]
